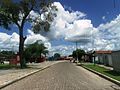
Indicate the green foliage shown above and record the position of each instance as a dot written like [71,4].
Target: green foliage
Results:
[49,12]
[34,51]
[11,11]
[56,56]
[70,55]
[6,54]
[78,53]
[7,66]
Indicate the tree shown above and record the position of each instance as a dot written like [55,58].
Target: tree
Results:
[69,55]
[56,56]
[7,54]
[78,54]
[49,12]
[34,50]
[17,12]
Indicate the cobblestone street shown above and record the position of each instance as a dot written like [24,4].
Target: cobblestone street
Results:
[63,76]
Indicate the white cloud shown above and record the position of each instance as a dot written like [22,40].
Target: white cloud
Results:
[33,15]
[81,31]
[71,25]
[67,25]
[62,49]
[62,22]
[108,37]
[3,37]
[48,45]
[32,38]
[110,34]
[9,42]
[68,49]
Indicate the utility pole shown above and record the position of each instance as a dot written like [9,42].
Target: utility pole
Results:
[76,52]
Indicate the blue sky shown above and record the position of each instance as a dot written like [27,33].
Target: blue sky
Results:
[95,9]
[93,21]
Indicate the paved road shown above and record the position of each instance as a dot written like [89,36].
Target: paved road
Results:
[63,76]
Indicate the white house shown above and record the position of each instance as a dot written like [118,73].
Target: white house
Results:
[104,57]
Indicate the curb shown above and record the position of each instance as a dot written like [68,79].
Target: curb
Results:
[22,77]
[103,76]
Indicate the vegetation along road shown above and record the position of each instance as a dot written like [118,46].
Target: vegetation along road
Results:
[63,76]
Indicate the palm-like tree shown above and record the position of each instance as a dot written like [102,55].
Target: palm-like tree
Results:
[35,51]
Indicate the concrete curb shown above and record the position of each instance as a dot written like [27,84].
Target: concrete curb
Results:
[22,77]
[103,76]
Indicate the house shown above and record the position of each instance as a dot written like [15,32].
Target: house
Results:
[110,58]
[69,58]
[104,57]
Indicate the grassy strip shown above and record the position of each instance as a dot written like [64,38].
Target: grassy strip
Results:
[110,73]
[6,66]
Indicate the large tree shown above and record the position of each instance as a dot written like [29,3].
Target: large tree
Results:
[17,12]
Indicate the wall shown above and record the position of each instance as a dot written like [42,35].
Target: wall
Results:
[116,60]
[110,60]
[105,59]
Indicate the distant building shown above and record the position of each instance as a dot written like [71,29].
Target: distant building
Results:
[88,57]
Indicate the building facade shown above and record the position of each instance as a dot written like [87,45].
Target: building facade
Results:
[104,57]
[116,60]
[109,58]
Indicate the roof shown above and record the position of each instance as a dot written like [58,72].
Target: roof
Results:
[103,52]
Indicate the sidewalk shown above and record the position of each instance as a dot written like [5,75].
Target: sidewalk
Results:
[9,76]
[107,67]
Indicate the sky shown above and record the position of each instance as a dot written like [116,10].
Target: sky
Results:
[94,24]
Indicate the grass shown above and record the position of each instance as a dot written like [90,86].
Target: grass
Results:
[7,66]
[111,73]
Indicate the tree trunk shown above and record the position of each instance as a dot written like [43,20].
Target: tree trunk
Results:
[21,48]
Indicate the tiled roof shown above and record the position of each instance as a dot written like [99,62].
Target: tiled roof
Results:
[103,52]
